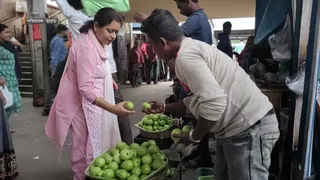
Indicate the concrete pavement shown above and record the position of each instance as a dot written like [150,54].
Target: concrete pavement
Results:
[37,156]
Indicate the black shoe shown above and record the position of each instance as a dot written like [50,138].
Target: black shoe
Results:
[45,113]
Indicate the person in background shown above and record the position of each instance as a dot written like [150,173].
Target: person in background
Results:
[245,54]
[57,47]
[143,47]
[51,31]
[151,64]
[85,101]
[239,47]
[7,69]
[17,44]
[136,60]
[17,47]
[8,160]
[54,85]
[76,19]
[222,97]
[196,27]
[224,43]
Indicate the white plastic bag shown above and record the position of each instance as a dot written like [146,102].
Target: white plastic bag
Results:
[296,83]
[280,43]
[8,95]
[21,6]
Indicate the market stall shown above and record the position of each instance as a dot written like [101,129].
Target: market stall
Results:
[268,68]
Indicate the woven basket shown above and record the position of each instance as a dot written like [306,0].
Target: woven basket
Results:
[275,95]
[166,133]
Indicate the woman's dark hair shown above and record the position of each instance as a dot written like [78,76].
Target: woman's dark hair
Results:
[3,27]
[103,17]
[161,23]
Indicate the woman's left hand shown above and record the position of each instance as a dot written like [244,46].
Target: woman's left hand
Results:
[115,85]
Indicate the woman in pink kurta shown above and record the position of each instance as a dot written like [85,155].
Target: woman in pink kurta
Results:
[85,99]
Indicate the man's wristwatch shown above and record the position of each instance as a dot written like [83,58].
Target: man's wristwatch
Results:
[191,139]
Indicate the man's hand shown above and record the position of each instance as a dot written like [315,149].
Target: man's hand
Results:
[156,107]
[184,138]
[139,16]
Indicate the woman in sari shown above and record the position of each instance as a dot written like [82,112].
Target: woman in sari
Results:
[245,55]
[8,162]
[85,99]
[7,68]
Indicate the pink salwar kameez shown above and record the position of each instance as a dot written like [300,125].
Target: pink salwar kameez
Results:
[86,77]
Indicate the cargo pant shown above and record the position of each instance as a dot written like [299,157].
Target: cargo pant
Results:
[247,156]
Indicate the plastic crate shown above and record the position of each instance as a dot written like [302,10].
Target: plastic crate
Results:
[205,174]
[174,161]
[161,143]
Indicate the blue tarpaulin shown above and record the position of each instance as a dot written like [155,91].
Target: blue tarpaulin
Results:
[270,14]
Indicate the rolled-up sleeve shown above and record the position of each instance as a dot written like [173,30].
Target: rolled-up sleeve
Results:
[191,25]
[208,99]
[86,65]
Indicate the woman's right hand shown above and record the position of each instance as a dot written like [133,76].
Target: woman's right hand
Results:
[119,109]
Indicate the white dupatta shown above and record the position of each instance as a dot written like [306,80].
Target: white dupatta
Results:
[110,128]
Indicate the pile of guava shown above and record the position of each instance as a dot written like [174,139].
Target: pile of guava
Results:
[126,162]
[156,122]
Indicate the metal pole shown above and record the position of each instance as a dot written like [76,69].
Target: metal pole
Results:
[38,42]
[310,92]
[32,47]
[288,168]
[131,35]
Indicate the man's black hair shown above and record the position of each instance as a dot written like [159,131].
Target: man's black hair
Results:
[76,4]
[185,1]
[227,25]
[61,28]
[161,23]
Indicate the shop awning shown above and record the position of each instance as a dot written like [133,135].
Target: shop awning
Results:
[214,8]
[270,14]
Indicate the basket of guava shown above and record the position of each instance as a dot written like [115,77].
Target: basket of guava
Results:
[156,126]
[132,162]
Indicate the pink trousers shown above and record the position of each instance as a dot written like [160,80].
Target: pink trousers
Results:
[82,153]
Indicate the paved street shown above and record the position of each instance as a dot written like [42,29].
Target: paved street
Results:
[37,156]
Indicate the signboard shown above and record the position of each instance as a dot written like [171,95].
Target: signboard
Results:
[42,20]
[36,32]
